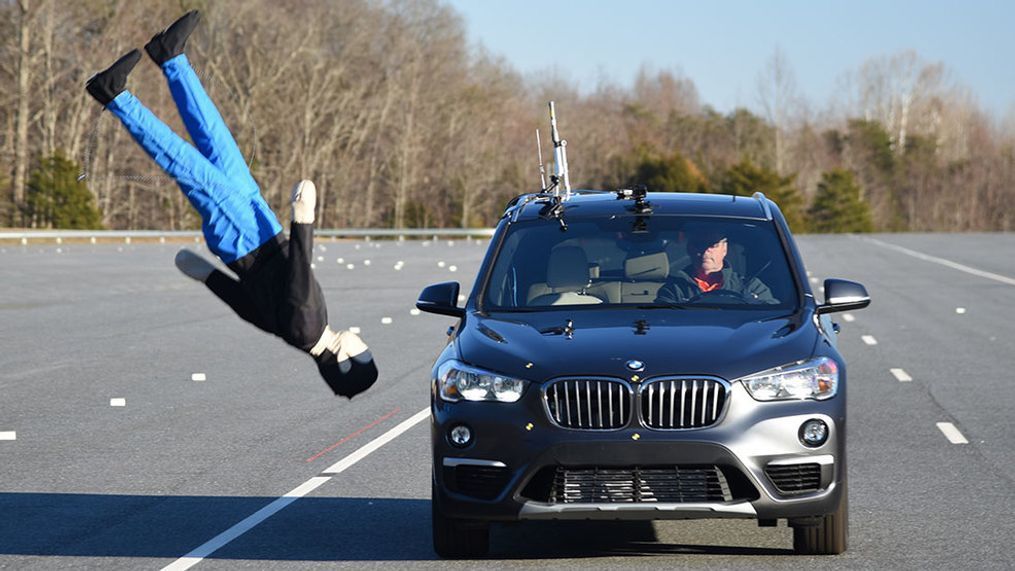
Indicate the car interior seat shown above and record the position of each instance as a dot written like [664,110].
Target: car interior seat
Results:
[567,280]
[643,276]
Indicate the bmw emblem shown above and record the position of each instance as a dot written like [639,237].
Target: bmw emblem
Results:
[635,365]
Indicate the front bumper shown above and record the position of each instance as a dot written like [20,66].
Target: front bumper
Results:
[520,441]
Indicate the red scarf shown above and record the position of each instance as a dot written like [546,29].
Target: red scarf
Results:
[708,282]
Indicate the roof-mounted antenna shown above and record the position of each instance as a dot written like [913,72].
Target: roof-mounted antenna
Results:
[559,178]
[539,157]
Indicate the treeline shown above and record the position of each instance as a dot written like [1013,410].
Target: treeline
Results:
[402,124]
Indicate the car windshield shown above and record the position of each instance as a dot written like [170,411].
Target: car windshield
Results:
[647,261]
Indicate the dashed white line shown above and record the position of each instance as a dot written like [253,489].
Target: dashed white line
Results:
[814,280]
[9,435]
[385,321]
[869,339]
[414,311]
[848,317]
[118,402]
[901,375]
[951,433]
[220,540]
[944,262]
[960,310]
[198,377]
[355,330]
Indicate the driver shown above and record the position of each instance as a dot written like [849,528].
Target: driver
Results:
[709,272]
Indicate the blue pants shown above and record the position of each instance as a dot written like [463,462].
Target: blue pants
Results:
[214,177]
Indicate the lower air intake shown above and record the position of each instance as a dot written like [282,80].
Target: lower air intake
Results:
[662,484]
[795,478]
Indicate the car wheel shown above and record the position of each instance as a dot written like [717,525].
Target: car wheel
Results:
[457,538]
[830,535]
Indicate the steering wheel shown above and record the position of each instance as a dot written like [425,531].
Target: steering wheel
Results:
[719,293]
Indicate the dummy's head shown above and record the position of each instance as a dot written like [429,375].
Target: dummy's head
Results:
[347,365]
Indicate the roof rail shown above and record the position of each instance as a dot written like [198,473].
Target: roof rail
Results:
[760,197]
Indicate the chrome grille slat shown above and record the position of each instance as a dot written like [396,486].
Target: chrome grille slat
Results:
[701,402]
[583,406]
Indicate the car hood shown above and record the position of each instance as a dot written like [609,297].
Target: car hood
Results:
[725,343]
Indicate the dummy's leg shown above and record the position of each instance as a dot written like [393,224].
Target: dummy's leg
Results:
[200,116]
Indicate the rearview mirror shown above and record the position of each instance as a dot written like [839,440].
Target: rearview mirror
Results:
[843,295]
[441,299]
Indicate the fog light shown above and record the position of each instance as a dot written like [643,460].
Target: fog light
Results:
[814,433]
[460,436]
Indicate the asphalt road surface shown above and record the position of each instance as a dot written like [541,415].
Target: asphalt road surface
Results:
[113,456]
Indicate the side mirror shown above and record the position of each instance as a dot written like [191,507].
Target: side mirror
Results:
[441,299]
[843,295]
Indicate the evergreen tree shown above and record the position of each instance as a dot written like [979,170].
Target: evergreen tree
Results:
[838,206]
[668,174]
[745,178]
[55,198]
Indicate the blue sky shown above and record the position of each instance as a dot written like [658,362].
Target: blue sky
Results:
[723,45]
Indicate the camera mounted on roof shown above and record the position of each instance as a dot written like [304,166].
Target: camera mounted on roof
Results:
[638,194]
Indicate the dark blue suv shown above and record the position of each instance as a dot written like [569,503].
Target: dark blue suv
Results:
[628,356]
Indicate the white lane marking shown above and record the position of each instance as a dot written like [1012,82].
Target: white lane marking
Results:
[944,262]
[320,258]
[869,339]
[385,321]
[814,280]
[198,377]
[453,268]
[344,464]
[9,435]
[355,330]
[960,310]
[220,540]
[118,402]
[901,375]
[848,317]
[951,433]
[350,266]
[340,260]
[414,311]
[461,297]
[366,262]
[440,264]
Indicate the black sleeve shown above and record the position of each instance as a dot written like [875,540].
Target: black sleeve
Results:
[308,314]
[670,294]
[229,290]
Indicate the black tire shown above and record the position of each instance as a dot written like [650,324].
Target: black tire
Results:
[457,538]
[830,536]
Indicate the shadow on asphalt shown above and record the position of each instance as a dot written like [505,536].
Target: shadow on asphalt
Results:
[311,529]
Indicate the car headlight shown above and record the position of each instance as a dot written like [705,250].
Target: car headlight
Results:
[815,379]
[457,381]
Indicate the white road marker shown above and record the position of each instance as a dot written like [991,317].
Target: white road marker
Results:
[960,310]
[350,266]
[320,258]
[944,262]
[869,339]
[366,262]
[848,317]
[198,377]
[385,321]
[414,311]
[220,540]
[951,433]
[453,268]
[461,297]
[355,330]
[9,435]
[344,464]
[340,260]
[117,402]
[313,266]
[901,375]
[440,264]
[814,280]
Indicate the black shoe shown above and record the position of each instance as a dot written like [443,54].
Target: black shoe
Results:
[107,84]
[170,42]
[350,377]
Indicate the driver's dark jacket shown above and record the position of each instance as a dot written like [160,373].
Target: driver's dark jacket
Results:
[682,287]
